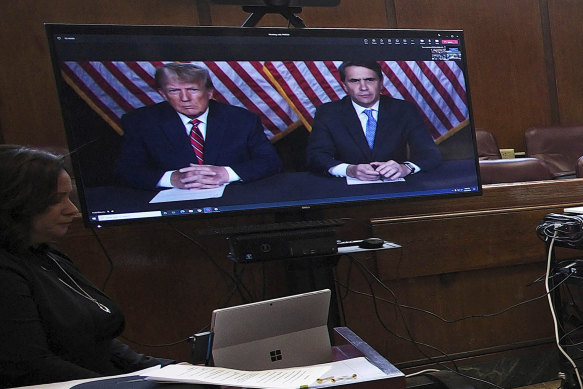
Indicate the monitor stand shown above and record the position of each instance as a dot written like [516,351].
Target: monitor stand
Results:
[257,12]
[307,245]
[315,272]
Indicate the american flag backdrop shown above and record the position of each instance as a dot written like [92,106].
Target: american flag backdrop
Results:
[284,93]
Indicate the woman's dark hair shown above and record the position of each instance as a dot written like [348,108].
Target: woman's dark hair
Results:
[28,185]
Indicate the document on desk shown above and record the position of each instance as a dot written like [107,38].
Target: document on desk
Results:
[316,376]
[356,181]
[175,194]
[279,378]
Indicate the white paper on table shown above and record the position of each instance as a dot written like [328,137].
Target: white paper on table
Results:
[350,371]
[316,376]
[175,194]
[356,181]
[278,378]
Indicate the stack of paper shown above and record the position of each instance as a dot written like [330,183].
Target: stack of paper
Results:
[335,373]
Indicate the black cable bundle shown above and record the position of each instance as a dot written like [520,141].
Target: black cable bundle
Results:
[566,229]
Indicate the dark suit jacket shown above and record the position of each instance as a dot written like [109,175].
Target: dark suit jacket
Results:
[401,135]
[48,333]
[155,141]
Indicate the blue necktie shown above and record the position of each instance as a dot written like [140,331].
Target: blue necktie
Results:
[371,127]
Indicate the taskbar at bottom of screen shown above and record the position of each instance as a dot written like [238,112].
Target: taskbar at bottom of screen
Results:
[150,214]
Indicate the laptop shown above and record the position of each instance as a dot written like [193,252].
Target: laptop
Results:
[272,334]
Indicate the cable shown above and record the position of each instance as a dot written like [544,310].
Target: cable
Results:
[377,313]
[244,293]
[567,229]
[238,286]
[555,321]
[421,372]
[411,339]
[450,321]
[104,285]
[107,256]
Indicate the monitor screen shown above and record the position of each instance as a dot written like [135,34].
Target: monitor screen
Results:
[280,118]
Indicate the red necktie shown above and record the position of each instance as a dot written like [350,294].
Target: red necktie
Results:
[197,141]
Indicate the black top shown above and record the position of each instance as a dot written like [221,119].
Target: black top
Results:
[50,333]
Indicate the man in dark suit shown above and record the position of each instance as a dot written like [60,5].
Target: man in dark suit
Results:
[190,141]
[368,136]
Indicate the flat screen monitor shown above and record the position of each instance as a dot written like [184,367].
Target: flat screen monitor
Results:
[105,76]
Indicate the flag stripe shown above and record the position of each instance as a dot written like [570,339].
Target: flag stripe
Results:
[97,96]
[291,89]
[98,73]
[447,99]
[280,92]
[424,95]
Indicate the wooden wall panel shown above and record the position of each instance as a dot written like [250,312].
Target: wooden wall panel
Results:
[505,59]
[567,37]
[30,112]
[489,240]
[437,310]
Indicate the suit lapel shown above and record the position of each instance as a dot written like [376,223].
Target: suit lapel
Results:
[215,133]
[175,132]
[385,134]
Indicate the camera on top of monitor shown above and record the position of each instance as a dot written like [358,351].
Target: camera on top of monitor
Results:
[280,3]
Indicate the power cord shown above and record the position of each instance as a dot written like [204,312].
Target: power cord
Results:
[410,338]
[366,271]
[244,293]
[555,321]
[107,256]
[451,321]
[235,278]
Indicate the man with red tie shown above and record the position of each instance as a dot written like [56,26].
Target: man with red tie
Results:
[190,141]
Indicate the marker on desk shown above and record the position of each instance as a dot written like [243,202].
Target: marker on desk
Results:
[333,379]
[349,377]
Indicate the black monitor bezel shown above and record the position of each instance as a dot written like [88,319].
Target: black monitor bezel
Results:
[53,30]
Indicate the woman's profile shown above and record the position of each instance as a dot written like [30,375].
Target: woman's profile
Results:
[55,325]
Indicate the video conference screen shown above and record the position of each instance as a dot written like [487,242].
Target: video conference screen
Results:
[125,135]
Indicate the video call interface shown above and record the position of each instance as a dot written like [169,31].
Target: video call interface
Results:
[281,75]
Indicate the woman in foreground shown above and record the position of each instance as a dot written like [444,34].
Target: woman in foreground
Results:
[55,325]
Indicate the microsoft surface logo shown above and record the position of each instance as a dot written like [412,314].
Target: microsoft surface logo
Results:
[275,355]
